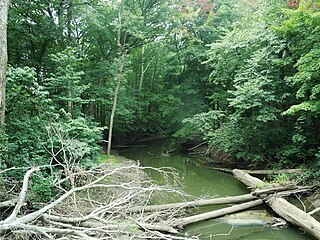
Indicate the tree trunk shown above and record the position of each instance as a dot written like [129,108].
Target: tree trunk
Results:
[70,97]
[118,77]
[142,71]
[216,213]
[69,22]
[242,176]
[295,215]
[196,203]
[4,5]
[282,207]
[261,172]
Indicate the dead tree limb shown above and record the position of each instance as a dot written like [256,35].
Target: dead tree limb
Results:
[273,188]
[263,172]
[216,213]
[314,211]
[270,172]
[22,195]
[158,227]
[196,203]
[9,203]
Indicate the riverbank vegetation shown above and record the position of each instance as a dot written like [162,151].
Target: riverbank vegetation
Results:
[241,75]
[264,102]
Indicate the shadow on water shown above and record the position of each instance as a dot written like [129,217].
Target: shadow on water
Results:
[198,180]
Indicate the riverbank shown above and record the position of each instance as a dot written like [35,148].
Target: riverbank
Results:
[91,203]
[218,159]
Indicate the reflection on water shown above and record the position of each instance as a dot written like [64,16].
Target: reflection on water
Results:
[198,180]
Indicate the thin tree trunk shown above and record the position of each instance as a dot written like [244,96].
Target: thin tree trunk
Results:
[140,85]
[70,97]
[69,22]
[142,71]
[118,77]
[4,5]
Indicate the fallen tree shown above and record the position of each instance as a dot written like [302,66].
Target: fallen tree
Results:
[282,207]
[215,214]
[104,202]
[103,217]
[115,208]
[262,172]
[196,203]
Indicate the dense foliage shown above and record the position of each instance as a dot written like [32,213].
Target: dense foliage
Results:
[244,74]
[265,86]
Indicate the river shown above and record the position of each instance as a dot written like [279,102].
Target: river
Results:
[198,180]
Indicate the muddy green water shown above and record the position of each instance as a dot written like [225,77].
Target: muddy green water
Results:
[197,180]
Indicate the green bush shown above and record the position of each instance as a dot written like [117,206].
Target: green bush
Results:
[36,131]
[41,189]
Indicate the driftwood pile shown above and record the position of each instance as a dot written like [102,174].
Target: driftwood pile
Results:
[128,214]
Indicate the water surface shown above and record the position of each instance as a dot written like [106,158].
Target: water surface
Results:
[198,180]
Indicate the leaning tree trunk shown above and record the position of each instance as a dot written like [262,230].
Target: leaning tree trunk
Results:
[4,4]
[119,76]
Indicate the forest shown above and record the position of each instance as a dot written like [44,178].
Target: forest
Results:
[79,76]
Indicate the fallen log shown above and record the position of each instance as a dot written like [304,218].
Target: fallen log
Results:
[282,207]
[100,223]
[248,180]
[270,172]
[200,144]
[263,172]
[274,188]
[295,215]
[215,214]
[197,203]
[152,138]
[169,228]
[158,227]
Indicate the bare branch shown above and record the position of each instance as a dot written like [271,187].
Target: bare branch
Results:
[9,203]
[22,195]
[314,211]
